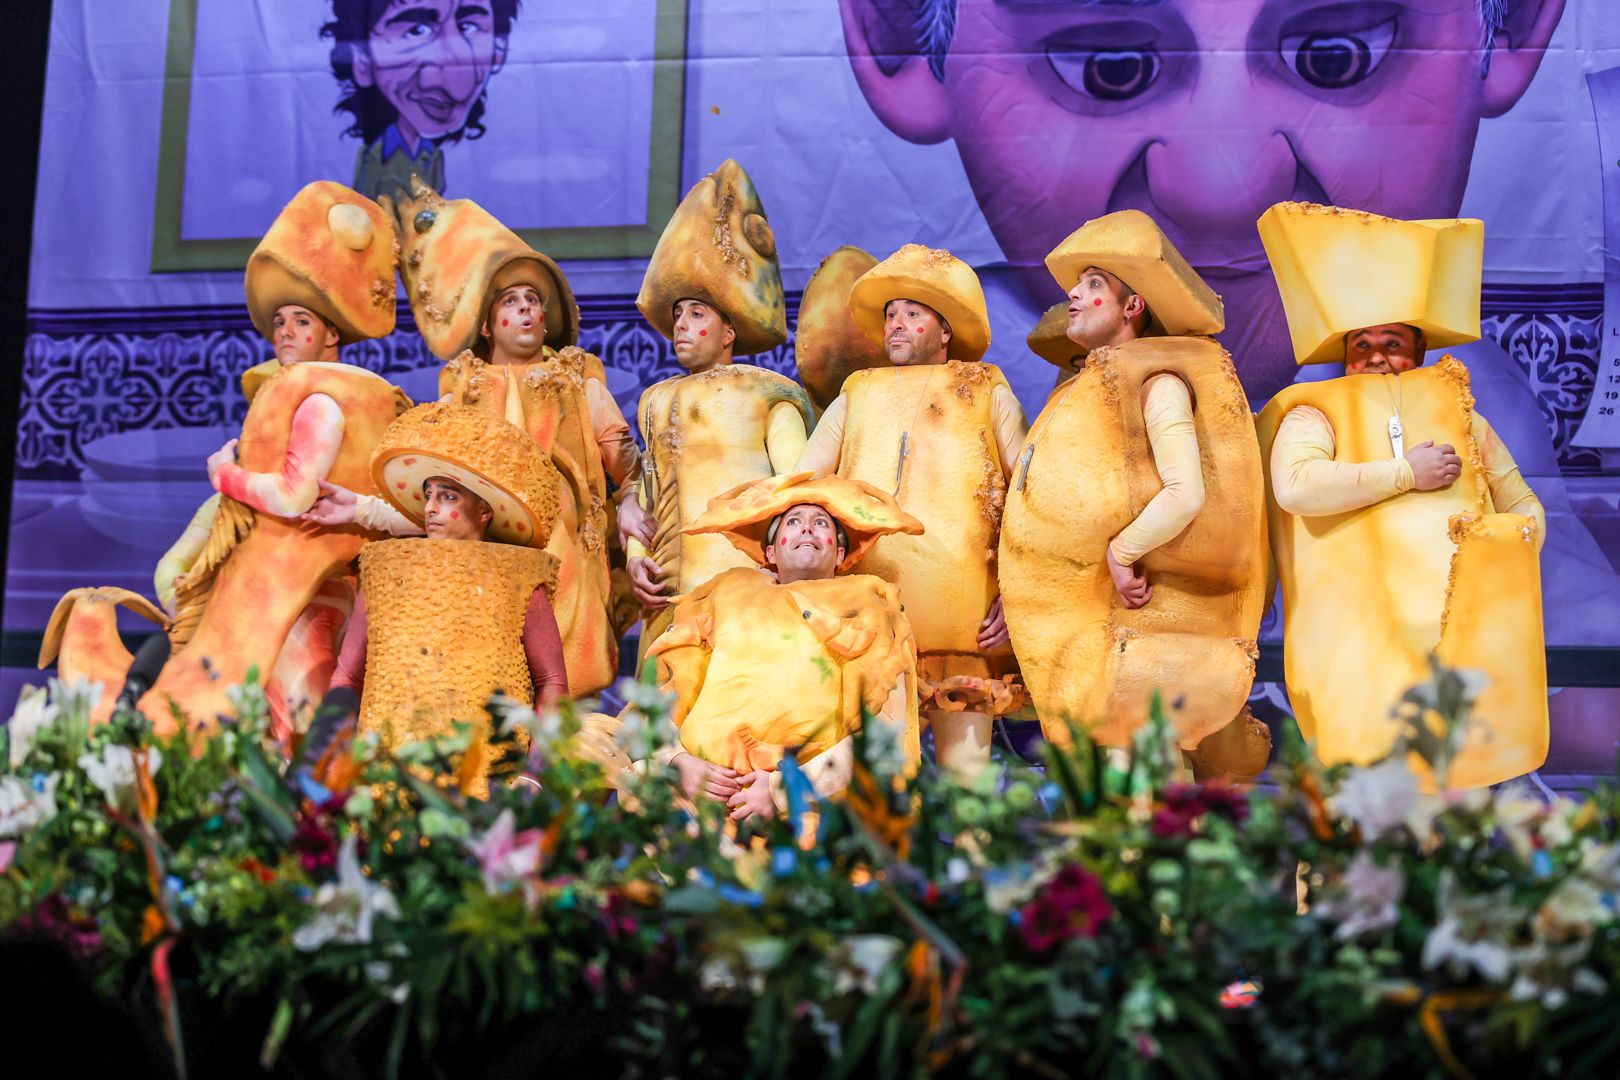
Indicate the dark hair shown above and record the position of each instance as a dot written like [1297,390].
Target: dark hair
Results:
[351,25]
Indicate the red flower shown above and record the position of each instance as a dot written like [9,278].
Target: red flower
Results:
[253,866]
[1071,905]
[315,845]
[1184,804]
[616,917]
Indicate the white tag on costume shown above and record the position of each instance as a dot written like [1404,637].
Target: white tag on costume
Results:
[1395,439]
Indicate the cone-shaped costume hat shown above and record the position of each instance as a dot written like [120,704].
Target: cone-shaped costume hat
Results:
[1131,246]
[718,248]
[744,513]
[1339,270]
[455,258]
[484,454]
[828,344]
[929,276]
[331,250]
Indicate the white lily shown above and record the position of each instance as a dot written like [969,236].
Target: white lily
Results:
[35,712]
[114,772]
[861,961]
[1472,932]
[346,908]
[1384,797]
[1370,898]
[24,807]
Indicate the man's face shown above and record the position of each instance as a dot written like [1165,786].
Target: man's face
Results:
[914,333]
[806,543]
[451,512]
[1202,113]
[300,335]
[516,325]
[1382,350]
[431,59]
[1102,310]
[702,335]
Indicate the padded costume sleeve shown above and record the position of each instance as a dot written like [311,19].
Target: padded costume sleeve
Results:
[785,437]
[826,443]
[1007,417]
[377,514]
[1305,479]
[1509,493]
[1167,412]
[621,458]
[183,552]
[317,435]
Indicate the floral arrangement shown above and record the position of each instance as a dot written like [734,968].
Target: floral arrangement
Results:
[363,913]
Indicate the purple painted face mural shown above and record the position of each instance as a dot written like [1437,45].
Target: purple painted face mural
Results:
[1201,113]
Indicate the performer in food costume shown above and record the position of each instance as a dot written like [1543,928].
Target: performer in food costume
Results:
[444,621]
[1398,519]
[1133,551]
[261,578]
[828,343]
[504,317]
[714,288]
[764,662]
[940,430]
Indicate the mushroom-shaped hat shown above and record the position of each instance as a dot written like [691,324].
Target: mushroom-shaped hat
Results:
[929,276]
[1131,246]
[332,251]
[744,514]
[456,258]
[718,248]
[1050,340]
[1339,270]
[828,345]
[483,453]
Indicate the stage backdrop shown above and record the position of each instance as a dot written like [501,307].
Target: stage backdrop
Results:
[175,129]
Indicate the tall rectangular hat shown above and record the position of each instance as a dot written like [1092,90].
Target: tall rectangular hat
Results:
[1131,246]
[1339,270]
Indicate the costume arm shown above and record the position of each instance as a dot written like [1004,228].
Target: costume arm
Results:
[826,443]
[317,434]
[683,650]
[1509,493]
[1173,437]
[377,514]
[785,437]
[178,559]
[620,457]
[1305,480]
[1007,417]
[542,644]
[351,662]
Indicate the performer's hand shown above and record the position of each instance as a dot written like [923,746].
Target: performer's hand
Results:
[225,455]
[336,506]
[754,800]
[1133,589]
[644,574]
[635,522]
[701,779]
[1433,467]
[993,631]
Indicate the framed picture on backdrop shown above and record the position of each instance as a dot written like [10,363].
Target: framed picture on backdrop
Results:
[562,119]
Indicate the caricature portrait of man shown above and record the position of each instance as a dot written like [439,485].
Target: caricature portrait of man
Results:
[414,74]
[1203,113]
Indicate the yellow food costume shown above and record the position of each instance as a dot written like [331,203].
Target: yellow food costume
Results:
[758,668]
[445,618]
[943,439]
[255,577]
[714,430]
[1376,575]
[1149,447]
[456,258]
[828,345]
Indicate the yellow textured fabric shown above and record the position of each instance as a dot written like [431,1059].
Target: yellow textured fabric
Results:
[1131,246]
[254,378]
[953,480]
[331,250]
[445,631]
[718,248]
[547,399]
[1088,473]
[1339,270]
[706,434]
[268,578]
[1369,593]
[758,668]
[177,560]
[1172,434]
[827,343]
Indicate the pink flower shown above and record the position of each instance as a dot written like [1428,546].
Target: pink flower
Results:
[55,920]
[507,857]
[1184,804]
[1070,905]
[315,845]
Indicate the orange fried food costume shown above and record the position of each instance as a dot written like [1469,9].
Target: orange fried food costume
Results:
[456,261]
[758,668]
[942,436]
[1375,574]
[249,591]
[723,424]
[449,622]
[1147,450]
